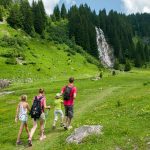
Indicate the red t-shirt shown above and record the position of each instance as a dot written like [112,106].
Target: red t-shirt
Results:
[69,102]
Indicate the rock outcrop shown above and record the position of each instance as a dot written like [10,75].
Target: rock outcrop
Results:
[82,132]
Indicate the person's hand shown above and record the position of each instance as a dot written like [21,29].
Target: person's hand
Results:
[16,119]
[49,107]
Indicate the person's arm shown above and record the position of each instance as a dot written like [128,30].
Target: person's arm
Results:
[46,107]
[28,107]
[62,90]
[75,93]
[17,113]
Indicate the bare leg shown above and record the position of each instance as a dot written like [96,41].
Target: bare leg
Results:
[27,130]
[33,129]
[62,119]
[55,118]
[69,122]
[54,123]
[42,129]
[20,132]
[66,120]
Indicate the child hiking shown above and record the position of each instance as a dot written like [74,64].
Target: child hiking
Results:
[37,113]
[57,110]
[21,114]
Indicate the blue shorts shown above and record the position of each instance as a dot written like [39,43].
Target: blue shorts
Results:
[23,118]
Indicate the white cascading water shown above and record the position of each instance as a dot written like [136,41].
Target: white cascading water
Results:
[105,52]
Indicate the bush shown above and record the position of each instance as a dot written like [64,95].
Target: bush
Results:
[127,66]
[39,69]
[116,65]
[34,55]
[70,52]
[25,64]
[32,63]
[11,61]
[101,75]
[1,13]
[113,72]
[15,42]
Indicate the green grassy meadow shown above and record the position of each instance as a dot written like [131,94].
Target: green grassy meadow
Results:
[42,59]
[119,103]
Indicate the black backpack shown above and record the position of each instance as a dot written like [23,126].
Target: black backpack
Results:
[36,109]
[67,93]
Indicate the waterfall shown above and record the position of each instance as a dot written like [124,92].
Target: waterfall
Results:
[105,52]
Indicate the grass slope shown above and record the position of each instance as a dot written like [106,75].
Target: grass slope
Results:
[119,103]
[43,59]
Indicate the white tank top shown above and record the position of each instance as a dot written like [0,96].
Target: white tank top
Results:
[23,111]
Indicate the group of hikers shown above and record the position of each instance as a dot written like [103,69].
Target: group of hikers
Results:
[37,111]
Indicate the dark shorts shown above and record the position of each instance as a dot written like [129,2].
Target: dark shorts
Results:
[69,111]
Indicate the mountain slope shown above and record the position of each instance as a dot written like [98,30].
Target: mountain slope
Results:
[38,59]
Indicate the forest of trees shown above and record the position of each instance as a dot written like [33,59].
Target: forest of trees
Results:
[119,29]
[29,18]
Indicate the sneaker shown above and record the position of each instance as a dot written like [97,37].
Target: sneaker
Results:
[29,143]
[62,125]
[19,143]
[53,127]
[65,128]
[42,137]
[70,127]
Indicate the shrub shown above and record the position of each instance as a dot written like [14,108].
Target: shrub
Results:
[118,103]
[15,42]
[101,75]
[25,63]
[116,65]
[39,69]
[127,66]
[11,61]
[70,52]
[32,63]
[113,72]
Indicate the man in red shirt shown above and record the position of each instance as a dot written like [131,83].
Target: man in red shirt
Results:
[69,93]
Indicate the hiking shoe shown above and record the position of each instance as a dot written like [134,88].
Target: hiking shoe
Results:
[19,143]
[29,143]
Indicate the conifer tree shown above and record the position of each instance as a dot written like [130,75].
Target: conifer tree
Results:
[63,11]
[14,18]
[43,13]
[1,13]
[138,57]
[147,53]
[6,3]
[39,17]
[27,18]
[57,13]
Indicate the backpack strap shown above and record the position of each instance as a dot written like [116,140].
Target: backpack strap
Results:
[35,98]
[39,98]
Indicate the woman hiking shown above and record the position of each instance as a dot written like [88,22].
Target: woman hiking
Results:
[40,99]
